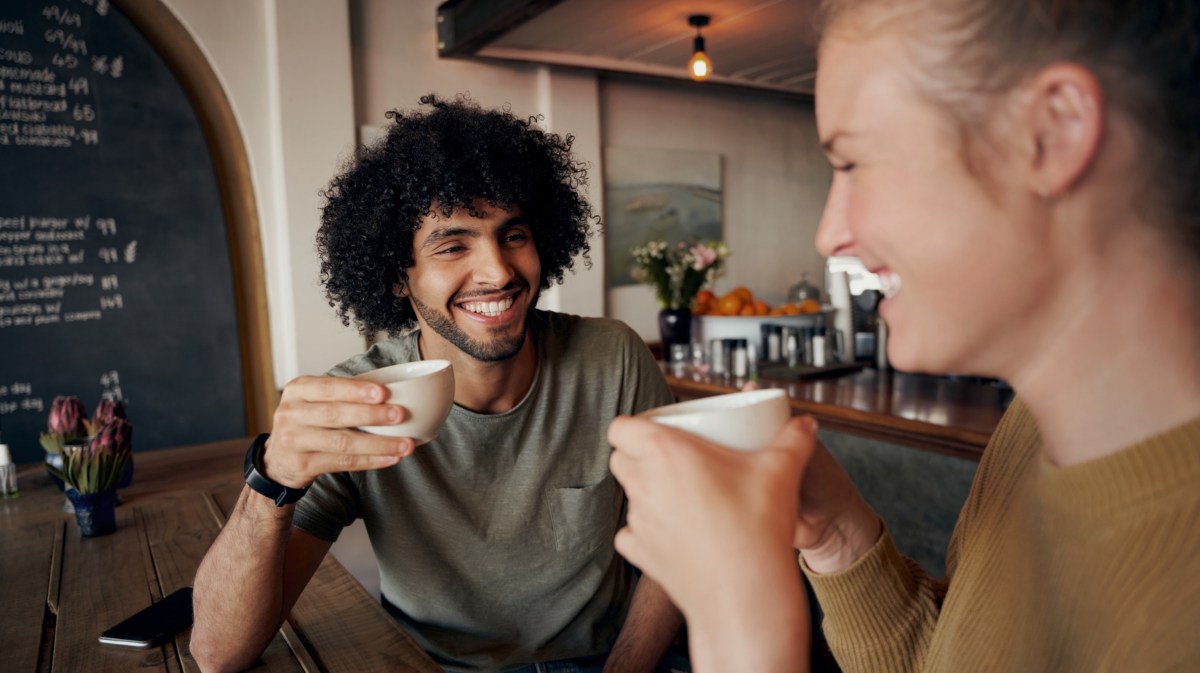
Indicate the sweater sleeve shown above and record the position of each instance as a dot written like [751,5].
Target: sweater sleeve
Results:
[880,611]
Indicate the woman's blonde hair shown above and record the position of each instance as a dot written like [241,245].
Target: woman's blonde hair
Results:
[1145,54]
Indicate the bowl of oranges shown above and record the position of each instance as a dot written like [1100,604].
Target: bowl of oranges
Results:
[738,314]
[740,301]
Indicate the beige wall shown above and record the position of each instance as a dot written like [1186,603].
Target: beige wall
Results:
[286,69]
[774,178]
[303,75]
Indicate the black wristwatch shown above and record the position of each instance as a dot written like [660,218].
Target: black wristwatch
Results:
[257,479]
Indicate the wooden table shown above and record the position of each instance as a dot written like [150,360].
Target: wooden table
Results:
[61,590]
[945,415]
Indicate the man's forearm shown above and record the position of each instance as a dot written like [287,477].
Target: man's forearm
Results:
[652,623]
[238,596]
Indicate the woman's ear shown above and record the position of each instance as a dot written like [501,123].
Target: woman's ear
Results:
[1065,119]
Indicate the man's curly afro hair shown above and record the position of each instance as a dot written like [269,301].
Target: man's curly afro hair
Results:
[446,157]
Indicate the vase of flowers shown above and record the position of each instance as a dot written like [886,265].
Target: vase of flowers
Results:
[91,472]
[678,272]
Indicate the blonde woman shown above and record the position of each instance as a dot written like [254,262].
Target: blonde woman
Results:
[1025,176]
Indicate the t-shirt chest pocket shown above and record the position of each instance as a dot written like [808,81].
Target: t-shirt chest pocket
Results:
[585,517]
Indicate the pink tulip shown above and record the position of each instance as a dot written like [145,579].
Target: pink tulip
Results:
[107,410]
[115,438]
[67,418]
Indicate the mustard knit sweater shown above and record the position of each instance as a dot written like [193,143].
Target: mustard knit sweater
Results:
[1093,567]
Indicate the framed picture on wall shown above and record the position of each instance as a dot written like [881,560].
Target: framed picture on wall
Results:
[652,194]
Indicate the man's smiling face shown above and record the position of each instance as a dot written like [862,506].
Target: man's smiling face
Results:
[474,280]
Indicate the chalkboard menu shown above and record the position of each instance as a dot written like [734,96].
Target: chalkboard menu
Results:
[115,271]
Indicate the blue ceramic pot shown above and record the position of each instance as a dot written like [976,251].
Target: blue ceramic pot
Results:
[96,513]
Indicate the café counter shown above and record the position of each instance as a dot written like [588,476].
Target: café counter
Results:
[954,416]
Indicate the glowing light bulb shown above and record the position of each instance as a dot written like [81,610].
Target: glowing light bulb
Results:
[700,67]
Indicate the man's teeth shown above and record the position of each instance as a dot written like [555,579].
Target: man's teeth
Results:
[490,308]
[889,283]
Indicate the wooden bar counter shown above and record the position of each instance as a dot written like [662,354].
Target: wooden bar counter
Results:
[946,415]
[60,590]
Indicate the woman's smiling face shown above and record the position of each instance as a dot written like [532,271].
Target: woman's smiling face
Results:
[957,252]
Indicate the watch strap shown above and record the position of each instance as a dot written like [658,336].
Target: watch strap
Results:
[257,479]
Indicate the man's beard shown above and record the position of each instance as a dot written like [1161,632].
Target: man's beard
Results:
[496,350]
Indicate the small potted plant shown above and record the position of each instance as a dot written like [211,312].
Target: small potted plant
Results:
[66,426]
[91,473]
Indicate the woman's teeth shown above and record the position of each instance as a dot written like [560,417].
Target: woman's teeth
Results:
[489,308]
[889,283]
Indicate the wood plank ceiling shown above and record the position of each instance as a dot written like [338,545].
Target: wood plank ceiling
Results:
[762,44]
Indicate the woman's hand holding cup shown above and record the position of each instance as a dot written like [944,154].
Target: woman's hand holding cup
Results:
[702,515]
[835,525]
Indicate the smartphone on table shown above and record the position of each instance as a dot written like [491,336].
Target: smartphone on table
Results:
[155,625]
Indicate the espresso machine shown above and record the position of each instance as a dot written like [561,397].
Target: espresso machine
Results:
[854,289]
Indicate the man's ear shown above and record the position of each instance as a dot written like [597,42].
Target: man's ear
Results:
[400,289]
[1065,120]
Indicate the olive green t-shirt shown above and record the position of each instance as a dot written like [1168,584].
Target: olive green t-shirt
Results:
[494,540]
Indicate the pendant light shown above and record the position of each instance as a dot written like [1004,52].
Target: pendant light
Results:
[699,67]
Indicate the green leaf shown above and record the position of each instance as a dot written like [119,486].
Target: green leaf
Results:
[58,474]
[106,479]
[51,442]
[93,471]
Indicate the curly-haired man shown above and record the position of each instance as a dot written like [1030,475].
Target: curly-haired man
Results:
[494,540]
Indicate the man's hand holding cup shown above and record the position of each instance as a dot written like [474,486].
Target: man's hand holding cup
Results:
[370,421]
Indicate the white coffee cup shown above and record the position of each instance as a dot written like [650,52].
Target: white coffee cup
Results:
[425,388]
[745,421]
